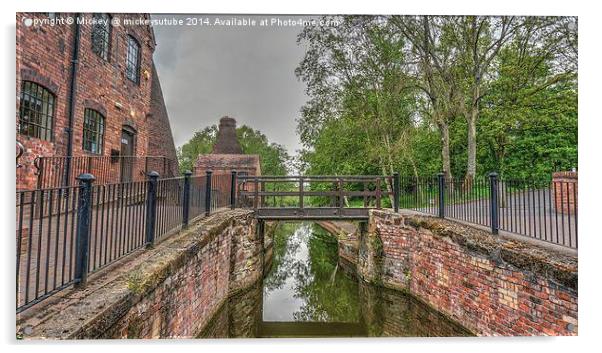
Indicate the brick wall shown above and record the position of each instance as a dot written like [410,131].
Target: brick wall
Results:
[489,285]
[186,300]
[564,187]
[173,290]
[160,137]
[44,55]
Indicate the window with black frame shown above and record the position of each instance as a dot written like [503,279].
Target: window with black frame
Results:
[132,67]
[101,34]
[36,112]
[94,128]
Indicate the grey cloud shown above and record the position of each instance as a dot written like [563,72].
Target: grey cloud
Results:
[245,72]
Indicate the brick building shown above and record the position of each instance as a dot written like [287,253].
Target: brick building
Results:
[227,155]
[88,100]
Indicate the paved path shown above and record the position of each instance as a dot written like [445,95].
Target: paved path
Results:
[529,213]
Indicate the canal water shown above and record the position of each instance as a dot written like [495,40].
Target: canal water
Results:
[306,293]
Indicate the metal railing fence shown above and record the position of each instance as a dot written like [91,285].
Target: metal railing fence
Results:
[52,171]
[66,233]
[545,210]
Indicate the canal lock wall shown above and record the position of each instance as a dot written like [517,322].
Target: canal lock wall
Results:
[170,291]
[490,285]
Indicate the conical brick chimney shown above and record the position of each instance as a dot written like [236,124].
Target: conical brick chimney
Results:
[227,142]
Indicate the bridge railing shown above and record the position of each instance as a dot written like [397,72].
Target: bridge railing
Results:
[65,233]
[300,193]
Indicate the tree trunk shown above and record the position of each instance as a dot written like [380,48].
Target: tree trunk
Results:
[445,158]
[471,163]
[389,166]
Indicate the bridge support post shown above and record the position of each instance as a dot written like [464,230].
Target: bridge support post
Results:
[84,213]
[441,178]
[151,208]
[363,227]
[186,199]
[208,193]
[233,183]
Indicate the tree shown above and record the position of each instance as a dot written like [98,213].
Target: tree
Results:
[387,92]
[435,71]
[200,143]
[274,158]
[528,125]
[355,71]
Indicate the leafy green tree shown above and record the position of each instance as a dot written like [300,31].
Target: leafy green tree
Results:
[357,84]
[200,143]
[529,125]
[388,92]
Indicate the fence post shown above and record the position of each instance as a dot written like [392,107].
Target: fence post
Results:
[256,194]
[233,190]
[186,199]
[494,206]
[208,194]
[341,197]
[84,213]
[441,178]
[301,193]
[396,192]
[40,170]
[151,208]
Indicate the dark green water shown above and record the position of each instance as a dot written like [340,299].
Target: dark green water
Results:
[306,293]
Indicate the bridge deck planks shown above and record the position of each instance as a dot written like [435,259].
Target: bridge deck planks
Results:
[317,213]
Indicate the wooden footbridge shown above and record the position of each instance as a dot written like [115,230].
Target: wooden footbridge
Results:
[315,197]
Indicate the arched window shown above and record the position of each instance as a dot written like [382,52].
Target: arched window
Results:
[101,34]
[94,130]
[132,65]
[36,112]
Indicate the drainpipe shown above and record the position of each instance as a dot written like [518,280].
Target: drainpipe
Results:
[72,99]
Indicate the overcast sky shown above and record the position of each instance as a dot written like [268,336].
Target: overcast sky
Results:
[246,72]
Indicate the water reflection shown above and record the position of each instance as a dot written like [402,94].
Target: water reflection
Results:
[305,282]
[306,294]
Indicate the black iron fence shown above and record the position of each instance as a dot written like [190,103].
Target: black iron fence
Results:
[545,210]
[57,171]
[66,233]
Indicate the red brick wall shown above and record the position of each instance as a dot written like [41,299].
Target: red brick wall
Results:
[160,137]
[510,290]
[564,187]
[187,299]
[186,302]
[44,54]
